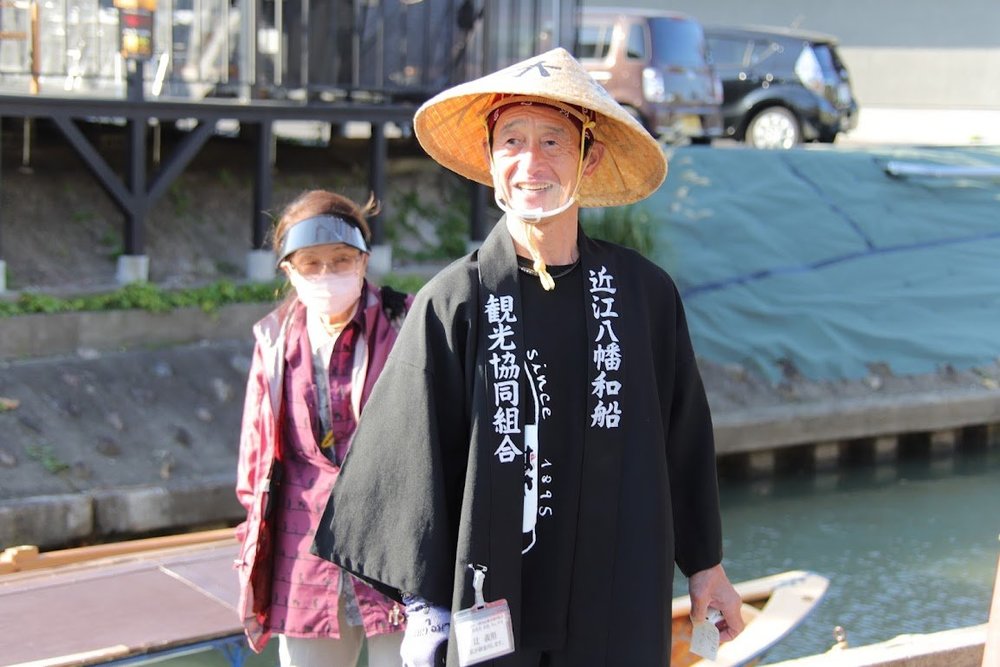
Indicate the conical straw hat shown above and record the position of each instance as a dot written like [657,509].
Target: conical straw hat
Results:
[450,127]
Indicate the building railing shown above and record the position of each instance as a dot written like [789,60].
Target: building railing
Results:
[376,50]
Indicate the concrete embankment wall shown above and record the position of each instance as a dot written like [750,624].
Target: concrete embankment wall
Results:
[127,423]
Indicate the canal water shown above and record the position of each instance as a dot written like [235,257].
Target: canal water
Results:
[908,546]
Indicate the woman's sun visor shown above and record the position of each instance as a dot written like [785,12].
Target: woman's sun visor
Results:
[320,230]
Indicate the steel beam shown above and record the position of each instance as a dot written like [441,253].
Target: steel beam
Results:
[176,161]
[212,109]
[262,185]
[98,165]
[378,155]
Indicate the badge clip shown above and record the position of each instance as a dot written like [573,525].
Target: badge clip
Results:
[484,631]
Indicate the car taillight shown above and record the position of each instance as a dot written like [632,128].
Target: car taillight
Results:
[654,89]
[809,71]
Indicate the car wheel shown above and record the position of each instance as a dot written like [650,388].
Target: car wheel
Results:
[774,127]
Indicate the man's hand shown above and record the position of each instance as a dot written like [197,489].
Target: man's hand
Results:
[711,588]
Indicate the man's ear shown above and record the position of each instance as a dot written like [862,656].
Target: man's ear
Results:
[486,154]
[594,156]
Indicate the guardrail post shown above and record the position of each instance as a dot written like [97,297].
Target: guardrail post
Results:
[36,57]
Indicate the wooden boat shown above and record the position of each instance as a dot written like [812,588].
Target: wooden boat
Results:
[971,646]
[112,602]
[159,596]
[773,606]
[961,647]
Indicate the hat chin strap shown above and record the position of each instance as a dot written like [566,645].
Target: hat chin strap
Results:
[531,218]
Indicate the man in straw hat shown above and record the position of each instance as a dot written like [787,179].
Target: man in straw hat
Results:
[538,451]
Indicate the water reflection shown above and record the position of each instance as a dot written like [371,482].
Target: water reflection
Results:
[909,547]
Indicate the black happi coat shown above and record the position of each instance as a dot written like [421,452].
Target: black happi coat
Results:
[425,491]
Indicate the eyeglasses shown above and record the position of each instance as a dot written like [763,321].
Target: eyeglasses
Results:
[339,264]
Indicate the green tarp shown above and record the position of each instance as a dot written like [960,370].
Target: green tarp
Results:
[817,261]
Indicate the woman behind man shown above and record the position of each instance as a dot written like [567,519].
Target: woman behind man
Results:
[316,357]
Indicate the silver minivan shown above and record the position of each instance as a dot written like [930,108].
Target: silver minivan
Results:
[654,63]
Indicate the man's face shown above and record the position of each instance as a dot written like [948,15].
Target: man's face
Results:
[536,157]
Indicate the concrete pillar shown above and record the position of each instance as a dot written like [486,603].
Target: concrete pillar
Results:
[826,456]
[886,448]
[760,463]
[132,269]
[3,276]
[944,442]
[260,266]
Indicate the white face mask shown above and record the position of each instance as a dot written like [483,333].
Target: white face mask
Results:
[328,293]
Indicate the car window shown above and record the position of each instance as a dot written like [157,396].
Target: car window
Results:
[635,47]
[677,41]
[828,62]
[809,71]
[764,50]
[727,51]
[594,40]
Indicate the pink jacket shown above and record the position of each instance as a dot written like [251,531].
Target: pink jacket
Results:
[260,447]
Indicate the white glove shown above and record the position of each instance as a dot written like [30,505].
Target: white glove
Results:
[425,639]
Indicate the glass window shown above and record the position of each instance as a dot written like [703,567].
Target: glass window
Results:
[728,51]
[832,70]
[594,40]
[764,49]
[635,48]
[677,41]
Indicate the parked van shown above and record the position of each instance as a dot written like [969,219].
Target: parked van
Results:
[655,64]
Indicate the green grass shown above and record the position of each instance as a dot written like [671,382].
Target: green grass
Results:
[144,296]
[149,297]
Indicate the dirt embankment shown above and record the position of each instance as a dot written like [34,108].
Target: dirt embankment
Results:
[59,230]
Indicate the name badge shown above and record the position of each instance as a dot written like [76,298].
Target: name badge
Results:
[484,631]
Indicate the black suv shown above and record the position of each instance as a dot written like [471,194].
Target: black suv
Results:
[781,87]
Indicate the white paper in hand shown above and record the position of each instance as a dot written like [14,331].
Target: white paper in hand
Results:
[705,636]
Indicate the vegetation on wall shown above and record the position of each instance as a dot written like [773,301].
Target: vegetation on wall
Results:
[626,225]
[150,297]
[420,231]
[144,296]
